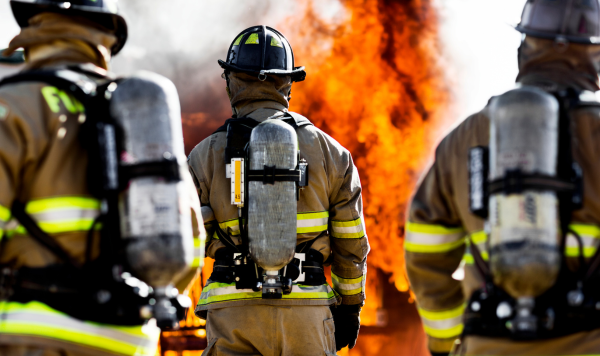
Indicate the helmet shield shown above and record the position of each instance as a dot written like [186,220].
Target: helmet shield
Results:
[102,12]
[262,50]
[567,20]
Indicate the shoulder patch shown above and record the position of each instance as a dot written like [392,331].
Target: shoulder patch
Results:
[3,112]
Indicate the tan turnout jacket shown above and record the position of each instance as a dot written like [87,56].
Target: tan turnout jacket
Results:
[43,165]
[329,210]
[440,224]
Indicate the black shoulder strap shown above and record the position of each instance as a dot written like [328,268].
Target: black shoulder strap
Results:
[299,120]
[78,84]
[18,212]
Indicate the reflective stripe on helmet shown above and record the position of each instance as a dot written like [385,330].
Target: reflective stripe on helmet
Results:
[226,292]
[444,324]
[353,229]
[348,286]
[426,238]
[252,39]
[37,319]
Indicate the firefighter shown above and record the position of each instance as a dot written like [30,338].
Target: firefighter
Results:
[58,294]
[327,220]
[559,61]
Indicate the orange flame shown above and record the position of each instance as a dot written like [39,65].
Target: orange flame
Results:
[379,91]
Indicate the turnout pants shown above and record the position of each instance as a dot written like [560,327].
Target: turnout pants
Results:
[580,344]
[270,331]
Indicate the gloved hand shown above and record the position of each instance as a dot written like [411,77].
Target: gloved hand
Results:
[347,322]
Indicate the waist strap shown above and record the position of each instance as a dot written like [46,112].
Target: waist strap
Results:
[305,268]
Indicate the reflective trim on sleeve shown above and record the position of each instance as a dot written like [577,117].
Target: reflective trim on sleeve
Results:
[480,239]
[443,324]
[216,292]
[312,222]
[425,238]
[39,320]
[231,227]
[353,229]
[198,252]
[348,286]
[4,218]
[4,215]
[61,214]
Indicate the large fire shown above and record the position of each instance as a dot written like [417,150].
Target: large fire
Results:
[375,84]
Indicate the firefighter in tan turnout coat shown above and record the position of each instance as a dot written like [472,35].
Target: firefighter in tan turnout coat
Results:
[328,225]
[43,166]
[558,52]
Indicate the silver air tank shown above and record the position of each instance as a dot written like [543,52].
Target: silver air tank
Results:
[272,208]
[524,226]
[154,209]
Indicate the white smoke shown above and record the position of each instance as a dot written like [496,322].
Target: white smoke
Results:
[481,48]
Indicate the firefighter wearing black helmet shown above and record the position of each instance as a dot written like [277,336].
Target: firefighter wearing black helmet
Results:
[471,256]
[247,311]
[53,255]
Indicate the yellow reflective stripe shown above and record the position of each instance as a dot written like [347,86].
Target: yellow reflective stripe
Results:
[443,314]
[43,205]
[37,319]
[443,324]
[4,214]
[306,223]
[348,286]
[275,42]
[232,227]
[478,237]
[238,40]
[587,230]
[198,255]
[226,292]
[432,229]
[64,226]
[353,229]
[426,238]
[310,222]
[449,333]
[313,215]
[252,39]
[445,247]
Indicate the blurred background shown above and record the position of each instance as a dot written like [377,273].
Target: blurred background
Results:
[386,78]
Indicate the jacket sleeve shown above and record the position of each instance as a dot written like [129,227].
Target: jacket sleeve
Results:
[13,150]
[199,235]
[349,241]
[210,223]
[434,247]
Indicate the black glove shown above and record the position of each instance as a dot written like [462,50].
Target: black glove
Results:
[439,353]
[347,322]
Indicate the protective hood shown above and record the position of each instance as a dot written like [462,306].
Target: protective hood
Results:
[547,63]
[52,38]
[248,94]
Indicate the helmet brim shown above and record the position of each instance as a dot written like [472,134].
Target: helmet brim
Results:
[24,11]
[298,74]
[553,36]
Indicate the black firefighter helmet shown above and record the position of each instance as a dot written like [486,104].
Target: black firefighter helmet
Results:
[103,12]
[262,50]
